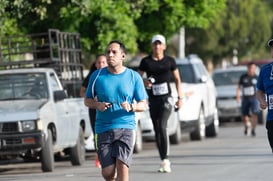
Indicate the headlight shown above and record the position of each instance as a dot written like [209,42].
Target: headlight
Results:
[28,125]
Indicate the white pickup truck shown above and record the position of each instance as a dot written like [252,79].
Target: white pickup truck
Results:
[37,119]
[41,115]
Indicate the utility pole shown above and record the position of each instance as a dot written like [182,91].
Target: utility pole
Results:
[181,43]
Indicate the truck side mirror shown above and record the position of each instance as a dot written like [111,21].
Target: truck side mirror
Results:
[59,95]
[203,79]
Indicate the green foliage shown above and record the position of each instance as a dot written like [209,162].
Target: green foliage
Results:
[244,26]
[131,21]
[214,28]
[167,17]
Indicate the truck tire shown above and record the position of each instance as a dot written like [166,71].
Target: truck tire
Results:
[77,153]
[213,128]
[138,143]
[47,154]
[200,130]
[176,137]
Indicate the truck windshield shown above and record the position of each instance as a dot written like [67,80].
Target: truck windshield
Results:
[23,86]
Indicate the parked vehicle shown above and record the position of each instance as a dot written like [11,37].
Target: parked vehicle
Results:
[198,115]
[41,116]
[226,82]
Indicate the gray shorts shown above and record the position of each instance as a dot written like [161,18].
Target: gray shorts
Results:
[116,144]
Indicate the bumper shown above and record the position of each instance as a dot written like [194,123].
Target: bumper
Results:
[20,142]
[228,108]
[229,112]
[188,126]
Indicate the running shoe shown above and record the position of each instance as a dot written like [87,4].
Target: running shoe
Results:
[165,166]
[253,133]
[246,130]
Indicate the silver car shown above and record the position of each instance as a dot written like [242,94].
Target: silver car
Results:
[226,82]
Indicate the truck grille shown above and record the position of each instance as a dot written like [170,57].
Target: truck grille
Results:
[13,141]
[8,127]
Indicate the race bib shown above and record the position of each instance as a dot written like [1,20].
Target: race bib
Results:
[160,89]
[249,91]
[270,101]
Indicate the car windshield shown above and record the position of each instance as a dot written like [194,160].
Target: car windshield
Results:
[23,86]
[227,77]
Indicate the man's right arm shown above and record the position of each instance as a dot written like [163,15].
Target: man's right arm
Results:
[94,104]
[238,93]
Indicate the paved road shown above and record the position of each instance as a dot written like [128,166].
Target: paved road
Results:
[229,157]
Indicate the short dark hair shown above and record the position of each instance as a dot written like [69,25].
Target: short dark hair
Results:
[250,63]
[122,46]
[99,55]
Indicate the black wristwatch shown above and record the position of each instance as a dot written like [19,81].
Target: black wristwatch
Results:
[131,108]
[179,98]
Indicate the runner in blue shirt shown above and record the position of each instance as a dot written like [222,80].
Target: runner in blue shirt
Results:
[116,92]
[265,94]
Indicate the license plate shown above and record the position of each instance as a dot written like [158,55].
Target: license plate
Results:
[228,104]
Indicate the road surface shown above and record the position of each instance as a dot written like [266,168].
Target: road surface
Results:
[231,156]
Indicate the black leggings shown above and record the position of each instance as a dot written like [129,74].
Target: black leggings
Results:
[92,117]
[269,127]
[160,109]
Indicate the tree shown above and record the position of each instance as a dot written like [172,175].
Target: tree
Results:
[168,17]
[12,12]
[131,21]
[243,26]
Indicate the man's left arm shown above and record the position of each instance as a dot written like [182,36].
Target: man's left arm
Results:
[177,81]
[139,106]
[135,107]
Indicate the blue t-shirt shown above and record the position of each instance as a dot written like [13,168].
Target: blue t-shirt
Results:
[115,89]
[265,84]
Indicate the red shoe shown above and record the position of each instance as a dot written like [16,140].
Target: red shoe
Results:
[97,162]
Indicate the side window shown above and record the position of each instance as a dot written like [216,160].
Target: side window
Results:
[54,82]
[186,73]
[198,72]
[202,69]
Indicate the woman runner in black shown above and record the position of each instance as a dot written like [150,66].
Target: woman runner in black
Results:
[159,69]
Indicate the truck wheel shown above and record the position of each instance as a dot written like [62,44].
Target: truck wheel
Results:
[77,153]
[213,128]
[138,144]
[200,130]
[176,137]
[47,155]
